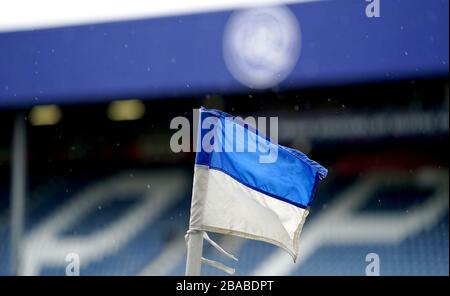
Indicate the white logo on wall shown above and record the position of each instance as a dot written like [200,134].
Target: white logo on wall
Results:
[261,46]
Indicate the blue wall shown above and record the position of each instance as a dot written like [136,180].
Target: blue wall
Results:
[174,56]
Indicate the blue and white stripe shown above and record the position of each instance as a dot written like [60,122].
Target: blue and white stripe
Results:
[234,193]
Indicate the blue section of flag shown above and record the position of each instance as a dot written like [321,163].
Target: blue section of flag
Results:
[291,176]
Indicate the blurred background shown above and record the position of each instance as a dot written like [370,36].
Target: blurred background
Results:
[87,95]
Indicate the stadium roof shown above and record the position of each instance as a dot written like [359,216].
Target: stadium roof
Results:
[129,53]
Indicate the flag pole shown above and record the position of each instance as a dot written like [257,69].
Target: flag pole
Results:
[18,190]
[194,253]
[194,235]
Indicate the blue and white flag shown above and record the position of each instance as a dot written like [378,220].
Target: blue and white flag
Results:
[261,192]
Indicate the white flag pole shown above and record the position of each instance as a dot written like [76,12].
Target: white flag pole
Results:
[195,233]
[200,183]
[194,253]
[18,190]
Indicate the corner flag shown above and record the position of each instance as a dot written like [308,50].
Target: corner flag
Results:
[235,193]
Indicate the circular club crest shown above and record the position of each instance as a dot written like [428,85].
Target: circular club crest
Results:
[261,45]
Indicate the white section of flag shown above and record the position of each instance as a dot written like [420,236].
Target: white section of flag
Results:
[223,205]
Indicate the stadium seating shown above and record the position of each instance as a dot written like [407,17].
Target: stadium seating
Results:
[410,235]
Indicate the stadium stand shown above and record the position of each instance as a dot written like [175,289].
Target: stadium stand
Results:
[411,244]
